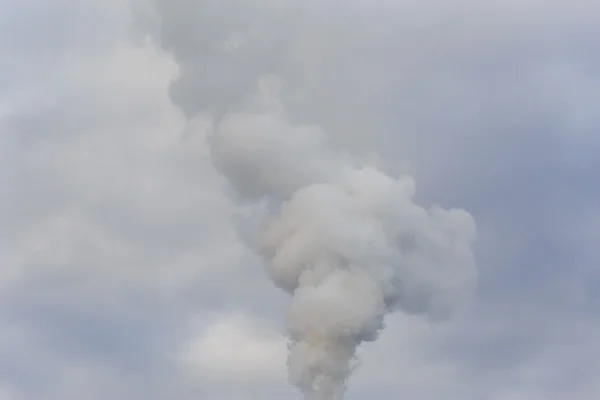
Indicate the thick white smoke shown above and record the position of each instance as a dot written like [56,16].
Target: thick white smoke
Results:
[345,240]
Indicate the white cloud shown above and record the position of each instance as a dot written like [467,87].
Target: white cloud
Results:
[236,349]
[110,173]
[115,224]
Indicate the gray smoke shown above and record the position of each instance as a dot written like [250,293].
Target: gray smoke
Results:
[342,237]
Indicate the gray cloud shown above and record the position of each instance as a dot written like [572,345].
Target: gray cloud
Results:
[488,104]
[116,230]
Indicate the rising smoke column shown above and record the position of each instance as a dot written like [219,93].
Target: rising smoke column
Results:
[345,240]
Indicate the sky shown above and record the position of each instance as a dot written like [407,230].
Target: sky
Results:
[128,264]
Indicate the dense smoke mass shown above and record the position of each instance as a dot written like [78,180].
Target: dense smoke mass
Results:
[344,238]
[346,241]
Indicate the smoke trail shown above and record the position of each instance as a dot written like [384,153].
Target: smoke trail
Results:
[346,241]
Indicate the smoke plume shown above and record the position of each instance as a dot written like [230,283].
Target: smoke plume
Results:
[345,239]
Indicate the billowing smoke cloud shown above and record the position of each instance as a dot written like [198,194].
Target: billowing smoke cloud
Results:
[343,238]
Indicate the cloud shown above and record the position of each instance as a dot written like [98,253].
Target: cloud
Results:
[487,105]
[115,227]
[234,347]
[119,240]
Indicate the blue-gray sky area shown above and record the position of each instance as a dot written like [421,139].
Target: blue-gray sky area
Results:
[128,271]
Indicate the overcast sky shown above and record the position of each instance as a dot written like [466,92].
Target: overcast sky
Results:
[124,272]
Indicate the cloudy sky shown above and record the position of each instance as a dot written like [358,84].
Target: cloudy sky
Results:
[125,273]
